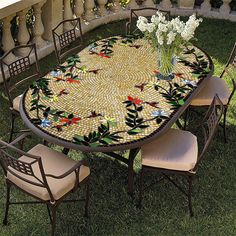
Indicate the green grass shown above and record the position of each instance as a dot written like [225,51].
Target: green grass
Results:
[112,212]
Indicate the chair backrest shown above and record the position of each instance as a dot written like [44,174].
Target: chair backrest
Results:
[17,67]
[63,40]
[146,11]
[210,124]
[230,70]
[21,169]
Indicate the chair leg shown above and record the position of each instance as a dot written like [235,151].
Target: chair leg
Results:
[65,151]
[45,142]
[5,221]
[190,179]
[87,199]
[186,117]
[141,188]
[54,209]
[49,213]
[224,124]
[12,127]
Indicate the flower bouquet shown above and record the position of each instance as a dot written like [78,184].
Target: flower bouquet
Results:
[168,37]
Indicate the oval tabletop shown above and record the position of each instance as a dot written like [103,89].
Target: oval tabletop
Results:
[109,97]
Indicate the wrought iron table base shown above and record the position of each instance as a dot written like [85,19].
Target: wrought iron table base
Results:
[130,162]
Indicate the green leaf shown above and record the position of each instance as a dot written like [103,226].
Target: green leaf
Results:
[107,140]
[55,118]
[140,108]
[79,137]
[181,102]
[134,131]
[130,115]
[132,111]
[94,145]
[130,124]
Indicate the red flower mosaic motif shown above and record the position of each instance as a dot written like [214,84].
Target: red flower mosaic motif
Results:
[135,46]
[157,72]
[136,101]
[70,80]
[141,86]
[180,75]
[153,104]
[102,54]
[71,121]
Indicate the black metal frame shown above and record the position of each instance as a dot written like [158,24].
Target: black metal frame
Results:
[16,68]
[209,126]
[134,15]
[63,40]
[6,161]
[231,61]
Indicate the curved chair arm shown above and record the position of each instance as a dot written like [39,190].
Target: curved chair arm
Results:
[21,137]
[127,27]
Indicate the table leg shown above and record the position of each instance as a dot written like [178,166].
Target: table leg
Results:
[132,154]
[65,151]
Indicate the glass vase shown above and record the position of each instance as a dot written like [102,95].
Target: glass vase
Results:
[166,61]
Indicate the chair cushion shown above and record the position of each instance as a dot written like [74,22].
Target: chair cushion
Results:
[213,85]
[54,163]
[16,103]
[174,150]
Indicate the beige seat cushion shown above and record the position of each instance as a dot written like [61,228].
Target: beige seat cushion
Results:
[213,85]
[174,150]
[54,163]
[16,103]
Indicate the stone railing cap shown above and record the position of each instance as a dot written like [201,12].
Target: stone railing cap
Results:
[10,7]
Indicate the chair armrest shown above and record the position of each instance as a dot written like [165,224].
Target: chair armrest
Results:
[127,28]
[20,138]
[75,168]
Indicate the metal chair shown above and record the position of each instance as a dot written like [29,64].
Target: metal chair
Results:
[176,152]
[135,13]
[49,178]
[63,40]
[217,85]
[15,69]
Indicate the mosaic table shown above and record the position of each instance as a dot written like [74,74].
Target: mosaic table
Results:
[109,97]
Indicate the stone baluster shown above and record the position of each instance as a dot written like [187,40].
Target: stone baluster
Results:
[166,4]
[7,40]
[68,14]
[52,15]
[102,8]
[225,8]
[116,6]
[149,3]
[38,25]
[89,14]
[79,8]
[23,36]
[133,4]
[206,7]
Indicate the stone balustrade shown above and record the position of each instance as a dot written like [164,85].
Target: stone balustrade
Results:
[48,13]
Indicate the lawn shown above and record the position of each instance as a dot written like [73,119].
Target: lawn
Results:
[165,212]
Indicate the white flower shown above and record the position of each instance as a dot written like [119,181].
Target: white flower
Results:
[163,32]
[162,27]
[161,17]
[150,27]
[159,113]
[188,82]
[142,23]
[155,19]
[160,38]
[170,37]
